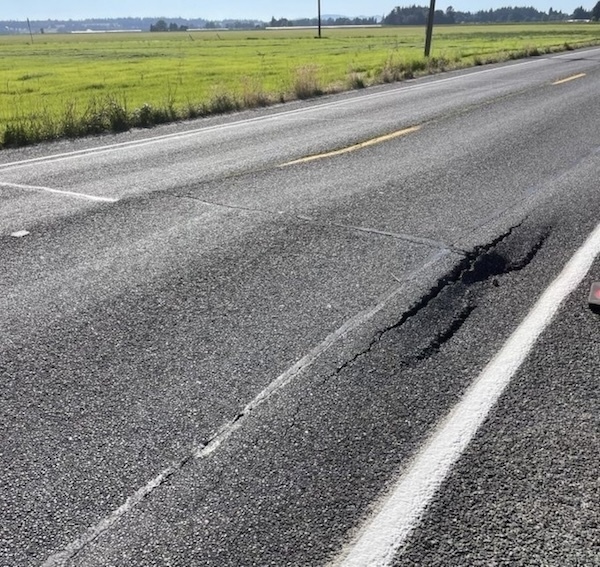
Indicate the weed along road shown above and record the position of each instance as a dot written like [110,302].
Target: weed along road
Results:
[352,331]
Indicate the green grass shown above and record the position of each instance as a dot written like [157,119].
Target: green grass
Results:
[73,85]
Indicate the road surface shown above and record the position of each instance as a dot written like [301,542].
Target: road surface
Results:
[231,341]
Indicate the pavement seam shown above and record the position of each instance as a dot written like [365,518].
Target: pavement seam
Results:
[60,558]
[431,243]
[404,236]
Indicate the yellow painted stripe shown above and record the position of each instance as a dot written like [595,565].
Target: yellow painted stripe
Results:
[572,78]
[355,147]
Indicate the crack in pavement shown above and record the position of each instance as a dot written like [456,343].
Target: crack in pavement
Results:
[232,207]
[481,264]
[437,244]
[495,264]
[447,334]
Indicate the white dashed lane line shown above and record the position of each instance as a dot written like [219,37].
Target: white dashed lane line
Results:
[400,512]
[58,192]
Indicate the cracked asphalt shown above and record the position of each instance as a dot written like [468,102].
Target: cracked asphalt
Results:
[232,362]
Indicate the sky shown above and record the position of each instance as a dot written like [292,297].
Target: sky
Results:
[244,9]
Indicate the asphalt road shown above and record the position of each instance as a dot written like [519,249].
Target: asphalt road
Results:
[212,356]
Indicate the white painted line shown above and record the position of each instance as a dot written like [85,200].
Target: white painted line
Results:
[59,192]
[357,99]
[380,539]
[60,558]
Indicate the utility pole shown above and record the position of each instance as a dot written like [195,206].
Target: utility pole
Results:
[30,33]
[429,28]
[319,16]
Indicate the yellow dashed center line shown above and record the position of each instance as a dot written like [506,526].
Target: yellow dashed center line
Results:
[572,78]
[355,147]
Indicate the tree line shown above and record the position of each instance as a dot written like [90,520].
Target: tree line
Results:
[304,22]
[582,14]
[417,15]
[162,26]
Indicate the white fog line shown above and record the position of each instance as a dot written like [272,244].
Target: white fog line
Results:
[402,88]
[60,558]
[58,191]
[381,538]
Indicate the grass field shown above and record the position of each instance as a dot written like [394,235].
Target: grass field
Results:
[72,85]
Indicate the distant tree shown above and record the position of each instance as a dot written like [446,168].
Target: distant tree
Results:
[160,26]
[596,12]
[411,16]
[581,14]
[554,15]
[282,23]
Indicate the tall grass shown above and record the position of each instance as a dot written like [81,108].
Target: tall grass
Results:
[74,85]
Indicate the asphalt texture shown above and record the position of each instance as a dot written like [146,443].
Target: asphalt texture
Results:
[358,296]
